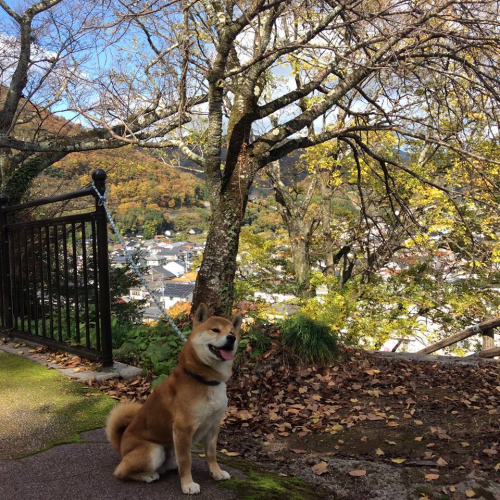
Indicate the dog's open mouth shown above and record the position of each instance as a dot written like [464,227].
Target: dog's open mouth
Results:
[221,353]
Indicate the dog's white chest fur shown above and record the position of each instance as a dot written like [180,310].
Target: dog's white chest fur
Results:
[210,411]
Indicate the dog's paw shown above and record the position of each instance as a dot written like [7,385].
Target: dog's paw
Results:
[221,475]
[191,489]
[149,478]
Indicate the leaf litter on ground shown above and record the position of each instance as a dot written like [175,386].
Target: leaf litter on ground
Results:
[447,415]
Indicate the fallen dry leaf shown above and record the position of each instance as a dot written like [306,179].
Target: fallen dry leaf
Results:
[431,477]
[320,468]
[490,452]
[470,493]
[398,460]
[357,472]
[230,453]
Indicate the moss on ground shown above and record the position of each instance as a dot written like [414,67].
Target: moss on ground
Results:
[262,484]
[40,408]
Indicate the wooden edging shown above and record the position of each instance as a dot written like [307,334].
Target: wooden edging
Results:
[468,332]
[489,353]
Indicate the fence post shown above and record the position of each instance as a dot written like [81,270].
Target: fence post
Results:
[5,267]
[488,339]
[99,178]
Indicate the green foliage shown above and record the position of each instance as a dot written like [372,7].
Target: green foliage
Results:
[146,221]
[264,264]
[254,341]
[184,221]
[156,348]
[308,340]
[262,217]
[122,279]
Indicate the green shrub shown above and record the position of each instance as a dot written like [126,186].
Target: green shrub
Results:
[156,348]
[307,340]
[254,342]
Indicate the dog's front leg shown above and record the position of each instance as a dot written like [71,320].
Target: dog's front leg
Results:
[183,436]
[210,442]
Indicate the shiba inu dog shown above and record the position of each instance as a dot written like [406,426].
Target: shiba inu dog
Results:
[185,408]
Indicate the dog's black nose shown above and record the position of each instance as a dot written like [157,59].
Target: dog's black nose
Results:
[231,338]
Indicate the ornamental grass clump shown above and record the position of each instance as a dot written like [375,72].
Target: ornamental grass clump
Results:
[308,341]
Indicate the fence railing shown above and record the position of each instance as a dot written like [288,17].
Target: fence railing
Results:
[485,328]
[54,276]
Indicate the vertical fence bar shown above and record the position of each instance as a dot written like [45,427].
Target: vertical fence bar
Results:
[85,286]
[66,281]
[3,256]
[19,267]
[42,282]
[19,253]
[75,280]
[35,292]
[5,268]
[49,284]
[58,283]
[96,289]
[16,308]
[99,178]
[2,286]
[28,291]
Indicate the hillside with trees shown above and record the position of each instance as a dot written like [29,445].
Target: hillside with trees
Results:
[145,193]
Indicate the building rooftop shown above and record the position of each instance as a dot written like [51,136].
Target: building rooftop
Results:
[180,290]
[164,272]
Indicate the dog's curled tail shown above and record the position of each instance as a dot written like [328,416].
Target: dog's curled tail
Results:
[118,420]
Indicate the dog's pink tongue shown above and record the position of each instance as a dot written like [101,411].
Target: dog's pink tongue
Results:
[227,355]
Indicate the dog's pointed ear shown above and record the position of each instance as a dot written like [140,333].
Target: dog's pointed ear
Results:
[201,314]
[236,321]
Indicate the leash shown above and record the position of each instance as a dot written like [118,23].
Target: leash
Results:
[102,201]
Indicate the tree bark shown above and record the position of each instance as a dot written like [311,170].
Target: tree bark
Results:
[326,222]
[301,260]
[300,229]
[215,280]
[18,183]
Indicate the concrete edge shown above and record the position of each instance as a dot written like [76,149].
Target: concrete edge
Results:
[117,370]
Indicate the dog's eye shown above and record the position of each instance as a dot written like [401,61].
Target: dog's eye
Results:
[215,330]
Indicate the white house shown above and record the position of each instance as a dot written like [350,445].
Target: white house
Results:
[155,260]
[171,293]
[274,298]
[175,268]
[138,293]
[132,246]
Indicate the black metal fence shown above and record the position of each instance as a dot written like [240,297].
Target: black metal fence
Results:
[54,276]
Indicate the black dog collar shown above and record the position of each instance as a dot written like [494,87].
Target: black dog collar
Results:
[199,378]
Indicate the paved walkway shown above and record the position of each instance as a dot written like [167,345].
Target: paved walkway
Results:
[84,471]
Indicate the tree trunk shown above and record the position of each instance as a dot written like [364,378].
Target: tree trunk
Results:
[301,261]
[215,280]
[23,175]
[326,221]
